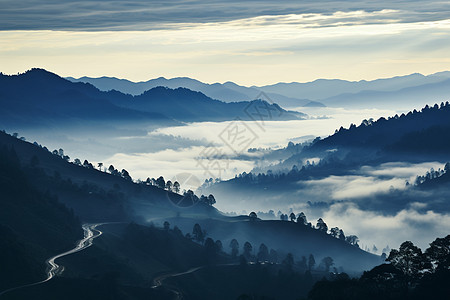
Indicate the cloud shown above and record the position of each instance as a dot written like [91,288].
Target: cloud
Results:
[381,229]
[144,15]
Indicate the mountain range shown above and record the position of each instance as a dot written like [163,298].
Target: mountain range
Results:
[39,98]
[396,92]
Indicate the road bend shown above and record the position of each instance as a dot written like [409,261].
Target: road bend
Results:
[90,233]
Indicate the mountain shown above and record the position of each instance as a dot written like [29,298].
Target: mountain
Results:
[33,224]
[405,98]
[340,168]
[186,105]
[53,196]
[41,98]
[423,133]
[400,92]
[327,88]
[226,92]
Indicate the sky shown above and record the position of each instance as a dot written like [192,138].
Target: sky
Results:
[247,42]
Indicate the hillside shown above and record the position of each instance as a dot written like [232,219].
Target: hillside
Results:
[284,237]
[33,225]
[94,195]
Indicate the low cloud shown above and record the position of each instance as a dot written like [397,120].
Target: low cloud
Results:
[382,229]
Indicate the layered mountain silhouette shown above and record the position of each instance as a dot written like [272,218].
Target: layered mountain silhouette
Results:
[41,98]
[400,92]
[227,92]
[44,198]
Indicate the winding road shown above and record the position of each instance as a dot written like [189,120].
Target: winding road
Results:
[158,281]
[90,233]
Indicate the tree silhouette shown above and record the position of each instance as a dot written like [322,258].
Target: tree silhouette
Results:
[126,175]
[253,216]
[439,253]
[234,245]
[311,262]
[409,259]
[211,200]
[160,182]
[273,256]
[176,187]
[327,262]
[292,217]
[198,234]
[248,251]
[321,225]
[166,225]
[263,253]
[288,261]
[302,219]
[169,185]
[352,240]
[219,246]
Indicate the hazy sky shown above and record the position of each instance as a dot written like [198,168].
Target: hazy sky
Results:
[248,42]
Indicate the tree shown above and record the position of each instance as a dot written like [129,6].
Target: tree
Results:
[198,233]
[189,198]
[253,216]
[176,187]
[111,169]
[337,233]
[169,185]
[234,245]
[334,232]
[211,200]
[77,161]
[439,253]
[177,231]
[166,225]
[303,264]
[126,175]
[321,225]
[283,217]
[100,166]
[327,263]
[273,256]
[160,182]
[302,219]
[311,262]
[288,261]
[211,250]
[292,217]
[263,253]
[247,251]
[352,240]
[408,259]
[219,246]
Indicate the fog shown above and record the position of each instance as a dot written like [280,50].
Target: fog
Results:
[361,203]
[203,145]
